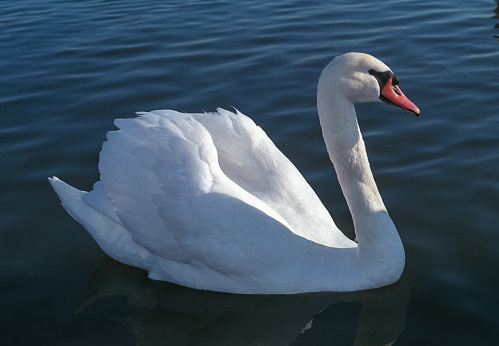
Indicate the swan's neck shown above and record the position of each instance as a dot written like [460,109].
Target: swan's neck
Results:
[374,229]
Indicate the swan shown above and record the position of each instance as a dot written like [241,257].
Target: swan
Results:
[206,200]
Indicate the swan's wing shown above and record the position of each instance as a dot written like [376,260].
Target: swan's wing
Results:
[162,176]
[249,157]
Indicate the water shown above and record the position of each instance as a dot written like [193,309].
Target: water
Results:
[69,68]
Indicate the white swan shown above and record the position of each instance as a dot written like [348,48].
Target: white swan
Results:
[208,201]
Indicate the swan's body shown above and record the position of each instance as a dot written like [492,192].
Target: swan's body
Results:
[208,201]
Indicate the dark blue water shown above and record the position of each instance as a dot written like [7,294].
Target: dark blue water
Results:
[69,68]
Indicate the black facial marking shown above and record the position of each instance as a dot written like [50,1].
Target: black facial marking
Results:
[383,77]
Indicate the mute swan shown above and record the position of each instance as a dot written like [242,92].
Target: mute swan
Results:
[209,202]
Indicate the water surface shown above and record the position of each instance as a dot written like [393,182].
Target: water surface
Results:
[69,68]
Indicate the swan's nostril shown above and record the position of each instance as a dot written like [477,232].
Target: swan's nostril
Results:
[397,90]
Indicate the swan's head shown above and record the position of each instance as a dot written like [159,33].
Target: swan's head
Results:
[361,77]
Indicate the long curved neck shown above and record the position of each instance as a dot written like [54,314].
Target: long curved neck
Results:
[348,154]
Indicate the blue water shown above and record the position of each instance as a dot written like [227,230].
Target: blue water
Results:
[69,68]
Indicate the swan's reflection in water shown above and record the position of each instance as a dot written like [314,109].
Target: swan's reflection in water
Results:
[167,314]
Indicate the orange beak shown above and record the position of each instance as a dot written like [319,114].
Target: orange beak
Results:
[393,95]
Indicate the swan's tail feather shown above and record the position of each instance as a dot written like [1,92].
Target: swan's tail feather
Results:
[70,197]
[101,222]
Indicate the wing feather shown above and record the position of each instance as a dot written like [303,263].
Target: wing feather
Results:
[185,183]
[249,158]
